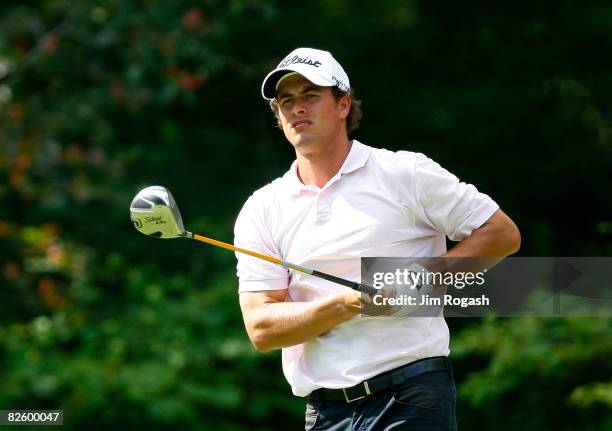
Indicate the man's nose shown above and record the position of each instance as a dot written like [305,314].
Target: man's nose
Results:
[299,106]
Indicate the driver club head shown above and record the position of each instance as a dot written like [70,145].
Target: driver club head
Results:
[154,212]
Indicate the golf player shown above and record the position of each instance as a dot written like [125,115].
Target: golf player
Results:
[340,200]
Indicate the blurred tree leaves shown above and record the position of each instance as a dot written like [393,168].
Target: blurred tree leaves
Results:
[537,365]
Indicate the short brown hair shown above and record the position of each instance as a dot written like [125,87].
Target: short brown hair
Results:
[352,120]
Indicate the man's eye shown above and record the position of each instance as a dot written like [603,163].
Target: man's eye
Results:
[285,102]
[310,96]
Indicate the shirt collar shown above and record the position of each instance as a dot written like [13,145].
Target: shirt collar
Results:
[356,158]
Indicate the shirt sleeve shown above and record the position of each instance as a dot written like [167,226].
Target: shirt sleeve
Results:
[252,233]
[453,207]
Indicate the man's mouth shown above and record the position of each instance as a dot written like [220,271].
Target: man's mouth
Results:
[301,124]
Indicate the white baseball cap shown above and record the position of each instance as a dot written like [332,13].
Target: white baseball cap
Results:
[319,67]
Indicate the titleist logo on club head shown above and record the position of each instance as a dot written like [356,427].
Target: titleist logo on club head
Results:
[297,59]
[155,220]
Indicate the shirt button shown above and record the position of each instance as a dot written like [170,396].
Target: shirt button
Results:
[323,215]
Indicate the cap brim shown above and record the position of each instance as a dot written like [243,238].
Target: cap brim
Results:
[268,88]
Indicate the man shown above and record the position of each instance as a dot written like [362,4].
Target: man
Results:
[341,200]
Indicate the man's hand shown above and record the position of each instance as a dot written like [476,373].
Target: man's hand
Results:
[371,304]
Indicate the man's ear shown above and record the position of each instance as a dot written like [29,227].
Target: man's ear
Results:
[345,106]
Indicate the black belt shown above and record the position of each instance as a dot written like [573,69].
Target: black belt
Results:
[385,380]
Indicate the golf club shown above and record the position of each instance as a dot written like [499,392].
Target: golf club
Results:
[154,212]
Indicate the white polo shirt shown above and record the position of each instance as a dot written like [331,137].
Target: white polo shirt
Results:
[380,203]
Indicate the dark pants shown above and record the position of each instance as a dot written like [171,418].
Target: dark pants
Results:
[424,403]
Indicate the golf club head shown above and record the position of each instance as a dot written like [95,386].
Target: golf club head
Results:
[154,213]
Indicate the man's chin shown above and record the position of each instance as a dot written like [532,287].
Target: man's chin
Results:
[302,141]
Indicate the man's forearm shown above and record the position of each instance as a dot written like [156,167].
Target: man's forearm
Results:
[490,240]
[284,324]
[485,247]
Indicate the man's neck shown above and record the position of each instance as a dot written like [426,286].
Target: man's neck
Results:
[318,168]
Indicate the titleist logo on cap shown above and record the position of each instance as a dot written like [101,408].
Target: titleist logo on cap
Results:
[297,59]
[341,85]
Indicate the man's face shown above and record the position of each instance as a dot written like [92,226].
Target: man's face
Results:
[310,114]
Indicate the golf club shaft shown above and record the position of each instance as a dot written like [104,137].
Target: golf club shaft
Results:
[353,285]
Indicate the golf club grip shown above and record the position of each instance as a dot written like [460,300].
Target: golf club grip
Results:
[352,284]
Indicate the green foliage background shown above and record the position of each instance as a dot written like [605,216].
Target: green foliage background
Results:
[98,99]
